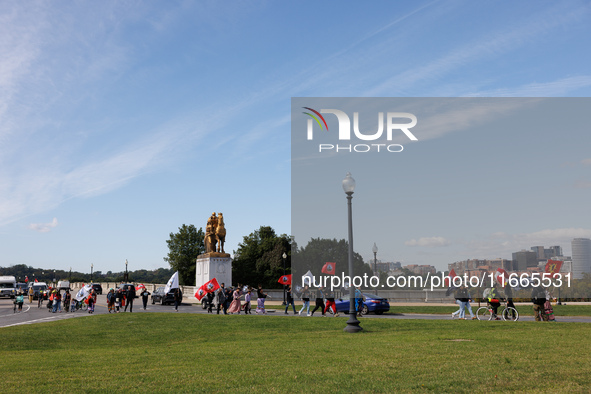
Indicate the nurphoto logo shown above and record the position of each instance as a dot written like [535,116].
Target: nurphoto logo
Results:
[395,122]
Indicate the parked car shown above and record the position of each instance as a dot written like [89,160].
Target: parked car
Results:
[126,286]
[372,303]
[22,287]
[39,288]
[98,289]
[159,296]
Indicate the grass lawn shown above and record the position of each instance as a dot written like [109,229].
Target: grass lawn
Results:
[203,353]
[524,310]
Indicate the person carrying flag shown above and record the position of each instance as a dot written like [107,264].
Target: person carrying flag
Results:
[319,302]
[290,300]
[330,304]
[220,298]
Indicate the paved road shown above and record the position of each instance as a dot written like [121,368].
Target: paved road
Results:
[32,314]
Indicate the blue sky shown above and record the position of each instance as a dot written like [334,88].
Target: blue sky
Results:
[120,121]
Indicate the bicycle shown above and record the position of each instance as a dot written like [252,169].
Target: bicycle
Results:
[508,313]
[80,305]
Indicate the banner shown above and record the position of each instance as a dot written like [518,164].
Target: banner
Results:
[285,280]
[553,267]
[502,276]
[329,268]
[448,281]
[200,293]
[211,286]
[173,282]
[83,292]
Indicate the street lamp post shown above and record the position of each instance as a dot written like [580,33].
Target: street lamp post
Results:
[91,269]
[126,279]
[352,323]
[374,249]
[284,257]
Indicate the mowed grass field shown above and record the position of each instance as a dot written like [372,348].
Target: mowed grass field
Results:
[151,352]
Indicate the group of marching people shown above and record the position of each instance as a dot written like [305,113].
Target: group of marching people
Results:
[229,300]
[119,300]
[306,294]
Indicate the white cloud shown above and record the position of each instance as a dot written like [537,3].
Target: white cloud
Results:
[582,185]
[586,162]
[429,242]
[558,88]
[43,227]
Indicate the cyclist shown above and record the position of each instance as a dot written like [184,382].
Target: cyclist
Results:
[493,300]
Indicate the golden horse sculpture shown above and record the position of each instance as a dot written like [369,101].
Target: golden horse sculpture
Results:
[210,236]
[220,233]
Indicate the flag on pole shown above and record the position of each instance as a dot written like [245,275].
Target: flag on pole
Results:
[26,279]
[172,283]
[329,268]
[553,267]
[83,293]
[200,293]
[307,278]
[450,277]
[140,287]
[285,280]
[36,280]
[502,276]
[211,286]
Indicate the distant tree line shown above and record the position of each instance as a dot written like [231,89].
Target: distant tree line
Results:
[20,271]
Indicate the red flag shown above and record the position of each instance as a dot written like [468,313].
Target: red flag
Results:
[553,267]
[448,281]
[211,286]
[36,280]
[285,280]
[140,287]
[502,276]
[26,279]
[329,268]
[200,293]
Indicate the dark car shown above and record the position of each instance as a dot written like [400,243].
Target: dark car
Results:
[126,287]
[39,289]
[372,303]
[98,289]
[22,287]
[159,296]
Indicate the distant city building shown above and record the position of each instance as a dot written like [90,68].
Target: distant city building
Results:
[421,269]
[524,259]
[547,253]
[476,266]
[385,267]
[581,257]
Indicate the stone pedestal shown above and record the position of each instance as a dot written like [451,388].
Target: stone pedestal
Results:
[213,265]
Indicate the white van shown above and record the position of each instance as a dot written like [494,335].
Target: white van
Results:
[63,285]
[7,286]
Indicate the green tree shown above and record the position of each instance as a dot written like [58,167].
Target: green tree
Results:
[259,258]
[184,247]
[320,251]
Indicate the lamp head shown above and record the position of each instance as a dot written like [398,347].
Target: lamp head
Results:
[349,184]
